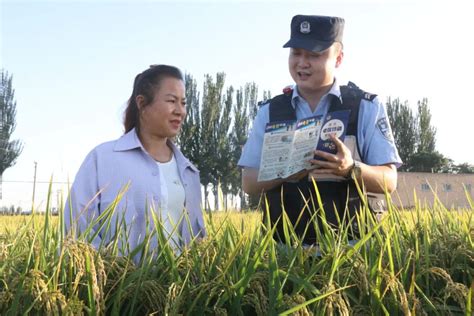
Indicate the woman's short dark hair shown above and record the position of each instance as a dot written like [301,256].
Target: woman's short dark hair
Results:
[145,84]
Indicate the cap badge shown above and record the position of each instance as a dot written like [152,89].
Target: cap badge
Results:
[305,27]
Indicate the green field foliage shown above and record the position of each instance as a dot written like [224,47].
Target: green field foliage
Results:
[411,262]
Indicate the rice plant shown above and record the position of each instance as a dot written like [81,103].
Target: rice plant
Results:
[411,262]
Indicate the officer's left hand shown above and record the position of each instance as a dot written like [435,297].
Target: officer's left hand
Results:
[339,164]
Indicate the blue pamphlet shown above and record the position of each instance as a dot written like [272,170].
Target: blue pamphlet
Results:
[335,123]
[288,146]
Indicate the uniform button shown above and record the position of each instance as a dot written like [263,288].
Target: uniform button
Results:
[154,174]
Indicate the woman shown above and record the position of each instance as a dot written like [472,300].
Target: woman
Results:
[123,186]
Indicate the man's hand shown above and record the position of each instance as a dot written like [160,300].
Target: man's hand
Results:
[376,179]
[339,164]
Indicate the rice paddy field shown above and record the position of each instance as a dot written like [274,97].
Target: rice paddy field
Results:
[411,262]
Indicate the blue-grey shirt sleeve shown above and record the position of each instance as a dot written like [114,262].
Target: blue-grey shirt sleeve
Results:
[375,135]
[253,147]
[82,205]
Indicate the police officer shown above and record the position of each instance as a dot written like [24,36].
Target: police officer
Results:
[368,154]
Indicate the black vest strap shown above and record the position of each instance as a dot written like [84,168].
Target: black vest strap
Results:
[281,108]
[351,96]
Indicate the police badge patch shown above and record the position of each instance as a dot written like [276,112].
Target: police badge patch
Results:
[384,128]
[305,27]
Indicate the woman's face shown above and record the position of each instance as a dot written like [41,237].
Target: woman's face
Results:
[164,116]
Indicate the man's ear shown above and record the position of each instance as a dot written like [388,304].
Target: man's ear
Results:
[339,58]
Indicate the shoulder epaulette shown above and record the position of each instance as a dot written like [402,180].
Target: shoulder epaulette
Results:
[369,96]
[365,95]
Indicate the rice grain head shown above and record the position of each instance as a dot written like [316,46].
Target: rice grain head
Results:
[295,300]
[334,304]
[76,253]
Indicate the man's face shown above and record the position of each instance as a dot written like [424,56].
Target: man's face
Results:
[312,71]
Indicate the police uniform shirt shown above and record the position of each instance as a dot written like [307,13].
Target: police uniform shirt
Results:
[374,135]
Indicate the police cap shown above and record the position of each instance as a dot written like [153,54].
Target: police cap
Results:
[315,32]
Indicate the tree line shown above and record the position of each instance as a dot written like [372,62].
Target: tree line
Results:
[415,139]
[215,131]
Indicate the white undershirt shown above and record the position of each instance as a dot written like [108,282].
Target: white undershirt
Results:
[171,204]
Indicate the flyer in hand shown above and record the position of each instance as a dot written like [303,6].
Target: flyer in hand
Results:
[334,123]
[289,145]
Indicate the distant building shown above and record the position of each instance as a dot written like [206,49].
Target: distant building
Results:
[450,189]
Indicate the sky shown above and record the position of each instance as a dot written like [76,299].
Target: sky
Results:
[73,65]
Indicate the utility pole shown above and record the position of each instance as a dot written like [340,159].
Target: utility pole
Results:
[34,188]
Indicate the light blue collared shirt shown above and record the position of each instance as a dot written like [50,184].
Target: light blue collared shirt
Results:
[124,163]
[375,141]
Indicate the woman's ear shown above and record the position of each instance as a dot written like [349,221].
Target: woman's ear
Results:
[139,99]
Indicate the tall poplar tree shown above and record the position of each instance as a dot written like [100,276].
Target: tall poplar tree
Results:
[405,130]
[188,138]
[210,112]
[427,133]
[427,158]
[251,102]
[244,112]
[224,149]
[10,150]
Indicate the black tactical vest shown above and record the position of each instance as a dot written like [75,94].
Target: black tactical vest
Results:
[339,199]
